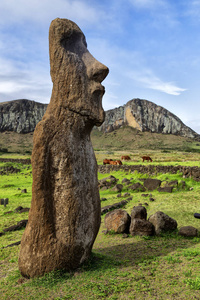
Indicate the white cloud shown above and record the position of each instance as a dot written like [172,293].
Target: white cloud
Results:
[149,80]
[32,81]
[45,10]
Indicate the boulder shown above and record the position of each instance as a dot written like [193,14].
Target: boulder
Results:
[152,184]
[139,212]
[118,221]
[141,227]
[188,231]
[165,189]
[118,188]
[173,182]
[137,187]
[162,222]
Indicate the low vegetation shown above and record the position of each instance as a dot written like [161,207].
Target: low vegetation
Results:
[135,267]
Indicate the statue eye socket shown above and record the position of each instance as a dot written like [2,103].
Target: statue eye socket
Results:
[76,43]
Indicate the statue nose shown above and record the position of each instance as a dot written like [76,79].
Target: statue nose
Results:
[95,70]
[98,72]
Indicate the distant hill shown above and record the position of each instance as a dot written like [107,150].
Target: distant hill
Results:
[145,116]
[22,115]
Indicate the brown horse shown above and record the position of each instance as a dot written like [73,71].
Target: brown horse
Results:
[107,161]
[125,157]
[148,158]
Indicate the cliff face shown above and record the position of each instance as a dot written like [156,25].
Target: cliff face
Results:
[146,116]
[20,116]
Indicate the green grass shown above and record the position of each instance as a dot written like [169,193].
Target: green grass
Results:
[164,267]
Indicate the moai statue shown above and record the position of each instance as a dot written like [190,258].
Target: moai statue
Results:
[64,218]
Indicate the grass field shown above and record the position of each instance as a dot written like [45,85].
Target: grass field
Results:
[164,267]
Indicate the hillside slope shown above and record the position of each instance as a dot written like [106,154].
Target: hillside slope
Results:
[146,116]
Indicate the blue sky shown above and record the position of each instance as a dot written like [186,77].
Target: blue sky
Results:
[150,46]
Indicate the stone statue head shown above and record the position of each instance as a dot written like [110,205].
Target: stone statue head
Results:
[75,73]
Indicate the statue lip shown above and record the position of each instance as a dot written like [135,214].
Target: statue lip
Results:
[99,89]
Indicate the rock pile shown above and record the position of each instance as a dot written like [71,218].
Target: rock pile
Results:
[119,221]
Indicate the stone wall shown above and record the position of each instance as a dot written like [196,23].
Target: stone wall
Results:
[193,172]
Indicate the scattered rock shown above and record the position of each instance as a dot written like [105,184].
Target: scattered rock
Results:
[8,212]
[166,189]
[18,209]
[118,221]
[25,209]
[152,184]
[141,227]
[126,194]
[107,208]
[173,182]
[13,244]
[139,212]
[151,199]
[137,187]
[188,231]
[24,191]
[103,199]
[21,224]
[162,222]
[117,188]
[125,180]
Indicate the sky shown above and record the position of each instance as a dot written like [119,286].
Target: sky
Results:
[151,47]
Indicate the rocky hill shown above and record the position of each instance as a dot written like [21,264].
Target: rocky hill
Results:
[146,116]
[21,116]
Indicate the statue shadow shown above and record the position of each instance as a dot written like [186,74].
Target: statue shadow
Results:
[131,253]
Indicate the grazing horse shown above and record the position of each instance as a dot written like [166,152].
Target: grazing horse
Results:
[125,157]
[148,158]
[113,162]
[107,161]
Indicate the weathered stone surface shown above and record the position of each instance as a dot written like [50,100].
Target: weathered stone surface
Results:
[107,182]
[64,218]
[139,212]
[145,115]
[137,187]
[118,188]
[152,184]
[21,116]
[166,189]
[162,222]
[188,231]
[118,221]
[141,227]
